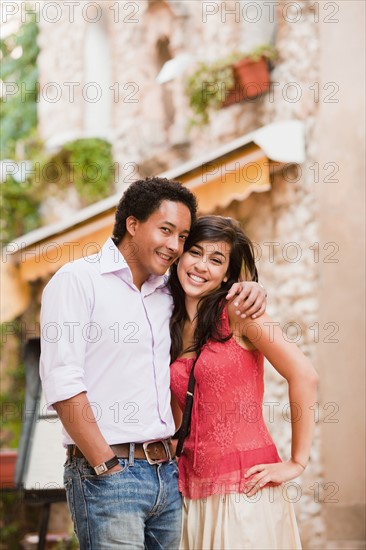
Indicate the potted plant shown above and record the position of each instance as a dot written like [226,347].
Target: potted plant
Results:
[237,77]
[8,458]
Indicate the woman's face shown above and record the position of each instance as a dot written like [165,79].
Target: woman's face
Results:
[203,267]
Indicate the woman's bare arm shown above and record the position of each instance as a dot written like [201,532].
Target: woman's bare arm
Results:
[295,367]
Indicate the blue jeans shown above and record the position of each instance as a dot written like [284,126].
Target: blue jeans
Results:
[136,508]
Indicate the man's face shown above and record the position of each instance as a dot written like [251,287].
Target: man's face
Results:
[158,241]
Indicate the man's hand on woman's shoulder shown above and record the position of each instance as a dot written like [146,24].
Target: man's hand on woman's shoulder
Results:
[250,298]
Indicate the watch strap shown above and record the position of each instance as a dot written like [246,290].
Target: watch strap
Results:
[105,466]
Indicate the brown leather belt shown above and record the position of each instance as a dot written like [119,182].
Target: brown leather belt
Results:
[154,452]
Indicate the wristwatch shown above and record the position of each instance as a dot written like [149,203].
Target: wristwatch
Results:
[105,466]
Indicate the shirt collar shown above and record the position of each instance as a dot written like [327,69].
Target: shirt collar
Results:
[113,261]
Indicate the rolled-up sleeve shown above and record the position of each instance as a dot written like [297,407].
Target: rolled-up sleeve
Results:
[65,311]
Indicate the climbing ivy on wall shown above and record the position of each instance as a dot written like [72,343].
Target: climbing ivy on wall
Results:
[19,73]
[85,164]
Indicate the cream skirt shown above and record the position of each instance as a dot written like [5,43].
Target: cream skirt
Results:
[236,522]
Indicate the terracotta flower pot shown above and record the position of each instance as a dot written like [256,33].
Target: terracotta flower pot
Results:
[251,81]
[7,468]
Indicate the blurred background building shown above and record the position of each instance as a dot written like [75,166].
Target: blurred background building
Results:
[289,164]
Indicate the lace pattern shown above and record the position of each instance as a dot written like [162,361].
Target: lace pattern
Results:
[228,433]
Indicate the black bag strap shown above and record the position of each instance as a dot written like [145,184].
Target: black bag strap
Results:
[187,413]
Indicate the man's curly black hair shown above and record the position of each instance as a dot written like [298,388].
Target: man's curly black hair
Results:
[143,197]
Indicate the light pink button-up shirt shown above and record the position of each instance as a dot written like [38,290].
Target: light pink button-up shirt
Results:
[101,335]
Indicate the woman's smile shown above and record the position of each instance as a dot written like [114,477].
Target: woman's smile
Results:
[203,267]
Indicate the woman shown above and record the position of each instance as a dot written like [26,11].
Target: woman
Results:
[230,473]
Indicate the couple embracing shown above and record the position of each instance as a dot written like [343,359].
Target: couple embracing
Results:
[119,402]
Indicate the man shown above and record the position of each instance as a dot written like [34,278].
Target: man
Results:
[107,372]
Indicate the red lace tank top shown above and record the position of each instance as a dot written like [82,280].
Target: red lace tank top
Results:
[228,433]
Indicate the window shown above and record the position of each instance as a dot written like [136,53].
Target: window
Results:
[98,79]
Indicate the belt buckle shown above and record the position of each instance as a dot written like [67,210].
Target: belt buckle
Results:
[158,460]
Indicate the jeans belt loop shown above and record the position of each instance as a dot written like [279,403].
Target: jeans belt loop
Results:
[131,455]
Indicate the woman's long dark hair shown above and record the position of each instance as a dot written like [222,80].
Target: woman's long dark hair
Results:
[241,267]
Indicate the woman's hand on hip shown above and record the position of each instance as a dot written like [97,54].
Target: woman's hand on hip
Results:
[279,472]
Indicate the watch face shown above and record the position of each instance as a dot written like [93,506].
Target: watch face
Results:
[100,469]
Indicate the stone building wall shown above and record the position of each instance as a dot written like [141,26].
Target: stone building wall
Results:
[149,134]
[286,220]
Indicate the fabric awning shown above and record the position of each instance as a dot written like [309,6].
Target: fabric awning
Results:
[231,177]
